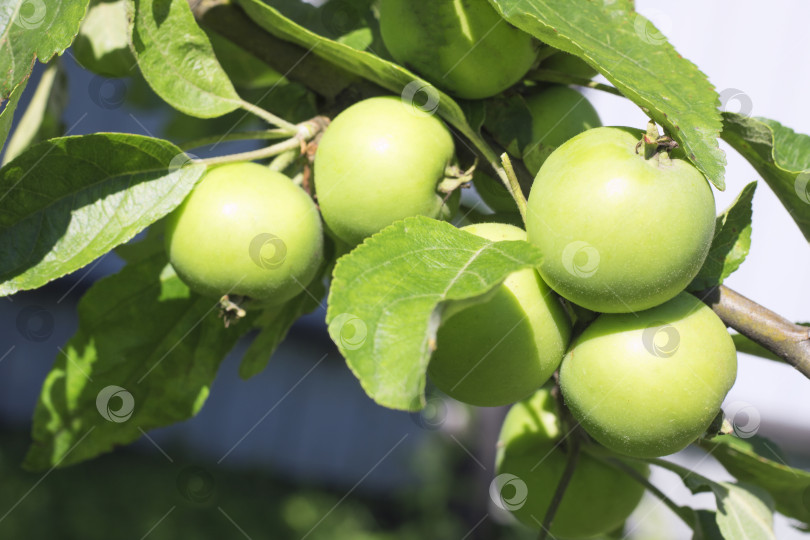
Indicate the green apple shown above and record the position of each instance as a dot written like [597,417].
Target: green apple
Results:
[619,232]
[380,161]
[647,384]
[564,62]
[558,114]
[500,351]
[531,447]
[246,230]
[462,46]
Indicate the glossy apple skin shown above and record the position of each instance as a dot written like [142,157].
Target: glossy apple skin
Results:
[380,161]
[620,233]
[558,114]
[564,62]
[461,46]
[502,350]
[599,497]
[647,384]
[246,230]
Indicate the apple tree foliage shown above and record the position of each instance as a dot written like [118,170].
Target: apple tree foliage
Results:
[67,200]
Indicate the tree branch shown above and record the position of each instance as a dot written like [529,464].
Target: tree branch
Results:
[294,62]
[788,341]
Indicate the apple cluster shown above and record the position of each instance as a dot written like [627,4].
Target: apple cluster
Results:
[623,232]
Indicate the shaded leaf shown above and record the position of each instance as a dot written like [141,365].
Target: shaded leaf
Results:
[9,107]
[31,29]
[731,242]
[780,155]
[274,323]
[387,297]
[68,201]
[102,45]
[177,59]
[758,461]
[145,355]
[43,117]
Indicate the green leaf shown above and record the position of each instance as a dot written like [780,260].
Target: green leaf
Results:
[747,346]
[69,200]
[274,323]
[732,240]
[705,526]
[31,29]
[144,356]
[388,295]
[628,50]
[373,68]
[510,123]
[177,59]
[780,155]
[758,461]
[102,45]
[743,511]
[7,116]
[43,117]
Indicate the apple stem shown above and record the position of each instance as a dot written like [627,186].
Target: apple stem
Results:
[513,186]
[789,341]
[656,145]
[565,479]
[264,134]
[304,132]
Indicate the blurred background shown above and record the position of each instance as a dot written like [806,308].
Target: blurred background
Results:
[299,451]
